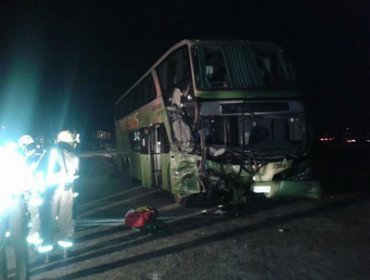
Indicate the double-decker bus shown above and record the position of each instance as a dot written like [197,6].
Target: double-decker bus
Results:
[219,118]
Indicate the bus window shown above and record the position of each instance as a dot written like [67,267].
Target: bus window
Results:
[163,137]
[143,93]
[144,141]
[182,71]
[134,137]
[241,66]
[162,75]
[267,66]
[215,70]
[218,130]
[174,71]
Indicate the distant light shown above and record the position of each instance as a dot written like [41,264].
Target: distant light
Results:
[350,140]
[327,139]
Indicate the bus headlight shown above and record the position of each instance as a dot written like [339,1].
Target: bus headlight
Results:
[262,189]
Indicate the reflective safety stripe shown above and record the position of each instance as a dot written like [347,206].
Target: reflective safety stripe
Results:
[65,244]
[34,239]
[45,248]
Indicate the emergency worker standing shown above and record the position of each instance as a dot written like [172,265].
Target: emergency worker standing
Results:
[16,179]
[59,167]
[32,155]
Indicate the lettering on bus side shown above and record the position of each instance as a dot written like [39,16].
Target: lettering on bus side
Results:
[133,121]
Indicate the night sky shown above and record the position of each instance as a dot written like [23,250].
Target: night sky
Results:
[63,64]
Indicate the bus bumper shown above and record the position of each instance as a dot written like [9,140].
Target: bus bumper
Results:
[294,189]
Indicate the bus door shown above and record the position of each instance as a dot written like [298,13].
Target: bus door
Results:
[155,155]
[145,157]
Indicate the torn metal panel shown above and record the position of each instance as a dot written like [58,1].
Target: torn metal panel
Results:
[181,129]
[184,171]
[268,171]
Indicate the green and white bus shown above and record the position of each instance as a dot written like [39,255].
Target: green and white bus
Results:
[219,118]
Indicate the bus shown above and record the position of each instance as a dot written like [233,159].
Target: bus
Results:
[219,118]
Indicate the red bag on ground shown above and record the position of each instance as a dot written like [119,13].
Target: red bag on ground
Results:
[140,217]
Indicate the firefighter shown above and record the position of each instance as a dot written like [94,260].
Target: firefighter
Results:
[31,150]
[32,154]
[16,180]
[59,167]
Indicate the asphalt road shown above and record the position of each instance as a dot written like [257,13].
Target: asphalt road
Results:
[293,239]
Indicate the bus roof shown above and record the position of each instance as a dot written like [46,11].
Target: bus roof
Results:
[189,43]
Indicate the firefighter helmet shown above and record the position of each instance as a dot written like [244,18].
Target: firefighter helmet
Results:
[25,140]
[68,137]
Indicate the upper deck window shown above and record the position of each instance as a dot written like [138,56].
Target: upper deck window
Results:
[174,70]
[241,66]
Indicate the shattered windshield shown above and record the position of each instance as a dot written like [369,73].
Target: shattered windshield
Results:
[241,66]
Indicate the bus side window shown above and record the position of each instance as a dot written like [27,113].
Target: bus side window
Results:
[144,141]
[182,72]
[162,75]
[134,137]
[163,137]
[174,71]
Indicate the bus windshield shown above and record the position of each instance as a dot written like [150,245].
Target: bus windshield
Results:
[241,67]
[257,133]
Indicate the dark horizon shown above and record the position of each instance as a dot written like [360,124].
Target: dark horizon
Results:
[64,64]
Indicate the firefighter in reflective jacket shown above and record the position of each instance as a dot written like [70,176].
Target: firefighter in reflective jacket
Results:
[16,180]
[57,170]
[32,153]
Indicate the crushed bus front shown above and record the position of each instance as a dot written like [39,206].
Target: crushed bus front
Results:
[274,179]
